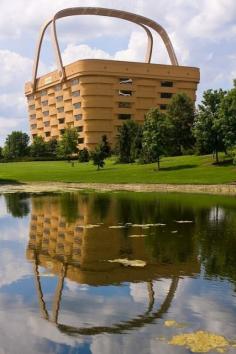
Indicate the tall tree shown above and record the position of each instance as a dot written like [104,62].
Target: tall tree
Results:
[207,125]
[38,147]
[105,146]
[68,145]
[129,140]
[16,145]
[51,148]
[181,114]
[98,157]
[83,155]
[228,118]
[156,136]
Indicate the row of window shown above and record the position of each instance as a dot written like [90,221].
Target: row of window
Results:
[127,80]
[59,110]
[75,81]
[62,131]
[77,117]
[78,104]
[129,93]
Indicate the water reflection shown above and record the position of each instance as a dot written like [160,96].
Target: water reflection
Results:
[188,248]
[80,249]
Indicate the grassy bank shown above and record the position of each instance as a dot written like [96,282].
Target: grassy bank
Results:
[174,170]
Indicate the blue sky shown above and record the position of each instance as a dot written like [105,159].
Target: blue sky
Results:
[203,33]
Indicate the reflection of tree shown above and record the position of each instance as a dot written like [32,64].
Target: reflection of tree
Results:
[146,208]
[171,248]
[217,243]
[17,204]
[100,205]
[69,206]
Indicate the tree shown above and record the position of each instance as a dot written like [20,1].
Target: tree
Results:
[51,148]
[181,114]
[17,204]
[38,147]
[129,141]
[156,136]
[207,126]
[83,155]
[228,118]
[67,146]
[105,146]
[98,157]
[16,145]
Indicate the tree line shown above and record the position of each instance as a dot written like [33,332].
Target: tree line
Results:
[180,129]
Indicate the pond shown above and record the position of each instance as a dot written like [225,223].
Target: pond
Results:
[117,273]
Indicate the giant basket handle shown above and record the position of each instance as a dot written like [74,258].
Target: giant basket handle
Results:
[128,16]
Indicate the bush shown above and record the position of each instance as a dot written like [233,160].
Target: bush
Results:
[83,155]
[98,157]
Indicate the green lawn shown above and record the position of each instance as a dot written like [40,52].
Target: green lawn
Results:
[175,170]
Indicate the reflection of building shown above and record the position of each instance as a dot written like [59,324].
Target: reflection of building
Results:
[96,96]
[86,247]
[79,251]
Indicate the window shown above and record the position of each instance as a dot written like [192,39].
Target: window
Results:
[75,81]
[47,134]
[77,105]
[33,126]
[43,93]
[34,135]
[166,94]
[126,80]
[33,116]
[124,104]
[80,128]
[30,98]
[61,120]
[163,106]
[125,93]
[78,116]
[124,116]
[44,103]
[81,140]
[58,87]
[76,93]
[47,124]
[46,113]
[59,98]
[167,84]
[62,131]
[32,106]
[60,109]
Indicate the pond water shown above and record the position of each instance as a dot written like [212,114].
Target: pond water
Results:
[116,272]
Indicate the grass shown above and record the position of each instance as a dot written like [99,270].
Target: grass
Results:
[174,170]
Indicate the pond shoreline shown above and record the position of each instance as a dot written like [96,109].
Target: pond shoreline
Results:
[40,187]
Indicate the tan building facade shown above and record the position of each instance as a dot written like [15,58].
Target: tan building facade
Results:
[97,96]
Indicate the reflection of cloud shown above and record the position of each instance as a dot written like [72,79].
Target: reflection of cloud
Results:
[14,230]
[44,329]
[3,208]
[12,267]
[216,214]
[139,291]
[73,287]
[23,331]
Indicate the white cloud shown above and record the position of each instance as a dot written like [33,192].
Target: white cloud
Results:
[83,51]
[14,69]
[214,20]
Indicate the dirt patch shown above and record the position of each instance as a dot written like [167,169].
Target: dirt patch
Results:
[224,189]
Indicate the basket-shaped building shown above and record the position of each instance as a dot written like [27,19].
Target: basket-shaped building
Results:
[96,96]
